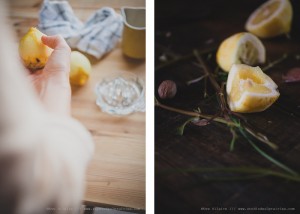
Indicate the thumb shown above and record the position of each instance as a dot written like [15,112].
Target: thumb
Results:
[60,57]
[55,42]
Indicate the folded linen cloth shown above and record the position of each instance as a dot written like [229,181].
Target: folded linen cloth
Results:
[97,36]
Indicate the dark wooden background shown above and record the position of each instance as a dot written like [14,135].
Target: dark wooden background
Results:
[181,26]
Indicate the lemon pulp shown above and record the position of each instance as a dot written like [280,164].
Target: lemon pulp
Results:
[239,48]
[265,12]
[249,89]
[271,19]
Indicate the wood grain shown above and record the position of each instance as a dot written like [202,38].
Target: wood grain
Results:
[116,174]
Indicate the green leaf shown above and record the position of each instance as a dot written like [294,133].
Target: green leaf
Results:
[222,76]
[265,155]
[233,140]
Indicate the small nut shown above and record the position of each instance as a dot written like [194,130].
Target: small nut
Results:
[167,89]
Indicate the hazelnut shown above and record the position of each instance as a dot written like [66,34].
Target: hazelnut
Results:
[167,89]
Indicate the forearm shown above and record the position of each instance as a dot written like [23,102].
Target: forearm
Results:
[51,172]
[56,95]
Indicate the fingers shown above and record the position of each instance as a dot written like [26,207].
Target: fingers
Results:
[59,61]
[56,42]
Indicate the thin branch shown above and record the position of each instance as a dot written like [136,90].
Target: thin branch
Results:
[219,89]
[261,152]
[231,123]
[272,64]
[195,114]
[185,57]
[207,70]
[261,138]
[195,80]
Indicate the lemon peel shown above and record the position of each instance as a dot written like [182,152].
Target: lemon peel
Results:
[249,89]
[271,19]
[239,48]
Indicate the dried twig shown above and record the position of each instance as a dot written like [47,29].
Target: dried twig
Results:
[182,58]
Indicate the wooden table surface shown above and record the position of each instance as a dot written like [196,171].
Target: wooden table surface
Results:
[116,174]
[200,25]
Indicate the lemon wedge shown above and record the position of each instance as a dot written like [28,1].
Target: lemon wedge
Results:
[271,19]
[80,69]
[249,89]
[240,48]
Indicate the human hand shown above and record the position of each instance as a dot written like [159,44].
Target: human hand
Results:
[52,82]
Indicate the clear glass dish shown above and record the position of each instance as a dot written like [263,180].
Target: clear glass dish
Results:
[121,94]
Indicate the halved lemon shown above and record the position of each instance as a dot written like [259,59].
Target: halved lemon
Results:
[32,50]
[241,48]
[249,89]
[271,19]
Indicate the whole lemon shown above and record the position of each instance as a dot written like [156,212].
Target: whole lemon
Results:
[32,50]
[80,68]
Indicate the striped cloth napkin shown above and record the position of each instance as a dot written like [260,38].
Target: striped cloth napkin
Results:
[97,36]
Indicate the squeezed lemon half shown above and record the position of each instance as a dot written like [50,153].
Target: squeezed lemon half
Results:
[32,50]
[249,89]
[271,19]
[244,48]
[80,69]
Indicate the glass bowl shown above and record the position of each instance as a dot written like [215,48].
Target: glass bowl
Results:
[121,94]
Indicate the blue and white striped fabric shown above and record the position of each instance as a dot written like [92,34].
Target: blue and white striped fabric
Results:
[97,36]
